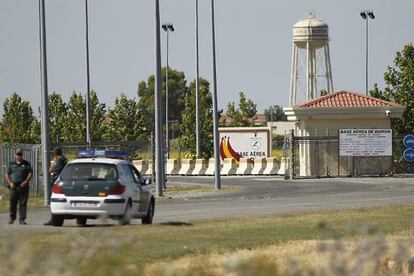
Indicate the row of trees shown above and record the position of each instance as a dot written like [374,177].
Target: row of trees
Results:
[127,120]
[132,120]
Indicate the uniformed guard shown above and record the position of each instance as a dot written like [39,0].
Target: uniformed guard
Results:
[18,176]
[56,167]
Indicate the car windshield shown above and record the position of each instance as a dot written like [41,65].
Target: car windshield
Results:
[89,171]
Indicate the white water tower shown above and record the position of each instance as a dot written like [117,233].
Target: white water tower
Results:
[311,64]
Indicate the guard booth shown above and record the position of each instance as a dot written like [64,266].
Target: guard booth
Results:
[342,134]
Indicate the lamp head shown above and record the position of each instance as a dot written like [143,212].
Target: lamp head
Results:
[164,27]
[371,14]
[363,15]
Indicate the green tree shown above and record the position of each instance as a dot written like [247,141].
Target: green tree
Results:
[75,129]
[58,113]
[34,131]
[125,120]
[399,88]
[177,87]
[188,138]
[17,121]
[243,114]
[275,113]
[98,118]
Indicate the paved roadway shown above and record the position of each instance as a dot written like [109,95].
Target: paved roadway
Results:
[252,196]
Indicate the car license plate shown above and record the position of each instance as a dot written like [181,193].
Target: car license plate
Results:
[84,204]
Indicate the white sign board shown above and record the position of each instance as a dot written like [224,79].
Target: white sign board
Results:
[365,142]
[239,143]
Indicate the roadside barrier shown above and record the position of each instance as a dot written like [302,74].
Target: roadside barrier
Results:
[187,166]
[259,166]
[283,166]
[272,166]
[229,167]
[211,167]
[141,165]
[245,166]
[173,167]
[200,167]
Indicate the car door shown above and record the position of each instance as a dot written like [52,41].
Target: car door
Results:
[144,194]
[134,191]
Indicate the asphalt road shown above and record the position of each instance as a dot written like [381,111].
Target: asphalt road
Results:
[251,196]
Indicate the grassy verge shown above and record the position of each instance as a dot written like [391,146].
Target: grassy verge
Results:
[132,250]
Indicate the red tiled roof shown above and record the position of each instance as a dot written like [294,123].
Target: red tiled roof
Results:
[345,99]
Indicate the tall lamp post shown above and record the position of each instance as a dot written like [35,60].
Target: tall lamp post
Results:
[159,157]
[87,104]
[197,86]
[167,27]
[366,15]
[44,103]
[217,179]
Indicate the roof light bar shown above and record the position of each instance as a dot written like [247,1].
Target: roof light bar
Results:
[94,153]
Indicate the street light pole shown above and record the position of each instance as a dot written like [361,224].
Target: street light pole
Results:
[87,104]
[167,27]
[197,86]
[366,15]
[217,179]
[44,103]
[159,156]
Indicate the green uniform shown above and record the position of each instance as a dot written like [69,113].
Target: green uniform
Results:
[18,172]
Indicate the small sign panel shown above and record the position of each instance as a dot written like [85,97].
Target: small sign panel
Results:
[365,142]
[409,155]
[409,141]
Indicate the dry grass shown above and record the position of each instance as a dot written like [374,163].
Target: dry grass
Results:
[379,255]
[320,243]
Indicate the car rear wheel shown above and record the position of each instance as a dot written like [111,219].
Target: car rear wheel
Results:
[81,221]
[57,220]
[126,217]
[147,219]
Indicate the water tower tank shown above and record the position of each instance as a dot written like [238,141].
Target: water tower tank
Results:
[310,48]
[310,30]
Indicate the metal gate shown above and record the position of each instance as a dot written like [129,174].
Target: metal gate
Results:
[30,153]
[318,156]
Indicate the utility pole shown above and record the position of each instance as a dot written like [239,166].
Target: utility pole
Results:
[44,103]
[87,100]
[159,153]
[197,86]
[217,180]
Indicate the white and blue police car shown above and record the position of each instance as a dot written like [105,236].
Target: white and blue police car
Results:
[101,183]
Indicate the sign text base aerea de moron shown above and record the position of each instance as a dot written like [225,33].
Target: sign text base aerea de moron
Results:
[365,142]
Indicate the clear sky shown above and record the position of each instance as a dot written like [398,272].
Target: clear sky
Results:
[254,44]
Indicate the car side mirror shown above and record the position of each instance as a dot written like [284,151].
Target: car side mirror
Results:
[147,181]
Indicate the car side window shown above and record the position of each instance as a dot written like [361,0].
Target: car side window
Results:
[128,173]
[137,175]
